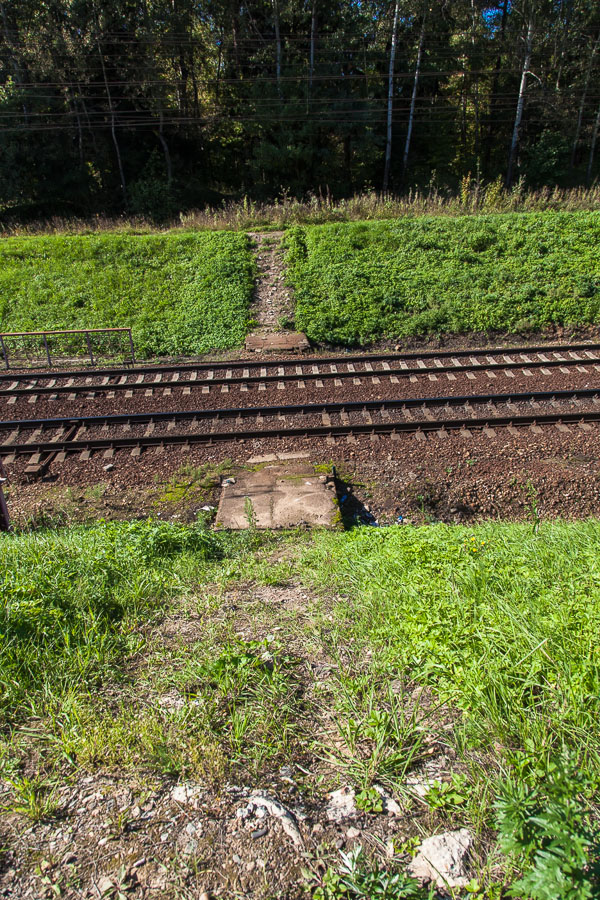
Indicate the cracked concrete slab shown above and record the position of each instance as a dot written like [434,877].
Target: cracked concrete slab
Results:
[277,496]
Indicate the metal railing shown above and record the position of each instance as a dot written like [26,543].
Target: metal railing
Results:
[4,516]
[31,349]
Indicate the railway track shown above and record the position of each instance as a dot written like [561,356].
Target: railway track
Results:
[148,380]
[54,438]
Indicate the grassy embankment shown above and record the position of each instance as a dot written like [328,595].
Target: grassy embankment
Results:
[484,641]
[180,293]
[356,283]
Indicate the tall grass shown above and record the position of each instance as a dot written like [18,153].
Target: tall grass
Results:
[71,602]
[503,620]
[319,208]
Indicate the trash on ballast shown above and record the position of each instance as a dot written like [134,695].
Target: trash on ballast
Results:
[229,481]
[207,508]
[400,520]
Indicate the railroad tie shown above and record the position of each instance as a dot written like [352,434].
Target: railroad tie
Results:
[326,419]
[367,416]
[158,378]
[228,373]
[432,377]
[421,364]
[345,419]
[375,380]
[34,436]
[243,387]
[224,388]
[138,380]
[280,386]
[318,383]
[394,380]
[560,426]
[299,371]
[109,453]
[450,376]
[385,367]
[490,374]
[333,369]
[263,373]
[509,374]
[350,367]
[356,381]
[350,438]
[246,373]
[489,432]
[194,376]
[129,394]
[32,399]
[465,433]
[188,390]
[413,378]
[535,428]
[167,392]
[149,392]
[262,387]
[441,433]
[470,375]
[420,436]
[175,377]
[585,426]
[527,372]
[301,385]
[149,429]
[337,382]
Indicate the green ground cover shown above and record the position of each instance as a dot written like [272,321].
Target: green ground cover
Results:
[357,282]
[180,292]
[484,641]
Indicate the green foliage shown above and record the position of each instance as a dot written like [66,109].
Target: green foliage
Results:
[545,825]
[509,634]
[358,282]
[70,600]
[180,293]
[448,796]
[358,879]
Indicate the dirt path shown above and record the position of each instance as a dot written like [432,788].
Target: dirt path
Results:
[272,299]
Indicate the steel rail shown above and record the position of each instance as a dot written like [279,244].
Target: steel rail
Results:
[305,361]
[304,408]
[440,426]
[293,377]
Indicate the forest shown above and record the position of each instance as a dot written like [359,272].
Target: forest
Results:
[158,106]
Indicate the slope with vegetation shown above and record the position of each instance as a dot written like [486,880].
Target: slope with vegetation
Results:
[475,646]
[180,292]
[358,282]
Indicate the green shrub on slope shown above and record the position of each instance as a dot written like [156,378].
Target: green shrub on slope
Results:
[180,293]
[358,282]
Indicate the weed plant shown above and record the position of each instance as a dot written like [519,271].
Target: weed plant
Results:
[473,198]
[180,293]
[355,283]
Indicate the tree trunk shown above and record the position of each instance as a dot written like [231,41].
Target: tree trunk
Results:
[586,85]
[277,45]
[494,93]
[390,102]
[113,125]
[520,104]
[313,34]
[588,177]
[413,99]
[165,148]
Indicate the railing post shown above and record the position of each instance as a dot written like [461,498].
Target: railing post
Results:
[4,351]
[89,346]
[4,516]
[47,349]
[131,346]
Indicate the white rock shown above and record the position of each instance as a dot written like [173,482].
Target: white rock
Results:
[389,804]
[186,793]
[287,818]
[341,805]
[442,859]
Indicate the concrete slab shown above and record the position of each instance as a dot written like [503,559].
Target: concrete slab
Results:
[280,341]
[277,496]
